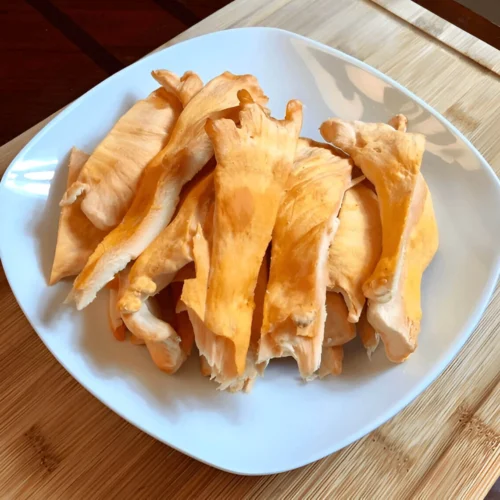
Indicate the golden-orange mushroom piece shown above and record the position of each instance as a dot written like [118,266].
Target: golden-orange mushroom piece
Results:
[391,160]
[217,353]
[180,317]
[398,320]
[185,331]
[160,337]
[253,164]
[356,247]
[294,310]
[157,266]
[194,290]
[338,331]
[369,337]
[399,122]
[115,320]
[187,151]
[77,237]
[332,359]
[184,88]
[108,181]
[193,298]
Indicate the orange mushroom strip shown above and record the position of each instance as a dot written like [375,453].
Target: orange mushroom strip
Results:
[391,160]
[332,359]
[338,331]
[108,181]
[77,237]
[219,350]
[187,151]
[369,337]
[115,320]
[294,310]
[356,247]
[160,337]
[253,165]
[171,250]
[181,318]
[398,320]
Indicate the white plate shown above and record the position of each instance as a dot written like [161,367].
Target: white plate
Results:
[283,423]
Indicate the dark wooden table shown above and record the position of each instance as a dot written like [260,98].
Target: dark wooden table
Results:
[52,51]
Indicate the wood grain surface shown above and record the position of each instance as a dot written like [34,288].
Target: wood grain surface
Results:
[57,441]
[485,54]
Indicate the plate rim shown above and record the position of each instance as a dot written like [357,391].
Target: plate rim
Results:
[434,372]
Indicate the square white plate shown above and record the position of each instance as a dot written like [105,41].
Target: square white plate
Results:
[283,423]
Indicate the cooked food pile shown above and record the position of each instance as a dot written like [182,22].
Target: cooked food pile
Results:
[212,224]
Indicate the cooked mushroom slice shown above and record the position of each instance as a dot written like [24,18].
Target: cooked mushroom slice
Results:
[187,151]
[77,237]
[398,321]
[108,181]
[338,331]
[161,339]
[356,247]
[294,311]
[253,165]
[369,337]
[391,160]
[115,320]
[171,251]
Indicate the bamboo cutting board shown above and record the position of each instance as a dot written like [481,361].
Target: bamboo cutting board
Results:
[57,441]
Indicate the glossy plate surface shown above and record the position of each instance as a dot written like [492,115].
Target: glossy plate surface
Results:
[283,423]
